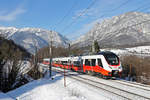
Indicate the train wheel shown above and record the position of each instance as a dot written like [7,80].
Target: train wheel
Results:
[113,78]
[92,73]
[105,77]
[72,70]
[99,75]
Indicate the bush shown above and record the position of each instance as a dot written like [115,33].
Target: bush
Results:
[135,66]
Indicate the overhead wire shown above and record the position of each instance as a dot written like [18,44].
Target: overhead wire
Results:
[122,4]
[81,14]
[141,7]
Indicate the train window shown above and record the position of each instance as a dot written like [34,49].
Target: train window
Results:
[100,63]
[112,59]
[76,63]
[93,62]
[64,62]
[46,61]
[69,62]
[87,62]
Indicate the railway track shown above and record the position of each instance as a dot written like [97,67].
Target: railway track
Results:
[115,91]
[133,84]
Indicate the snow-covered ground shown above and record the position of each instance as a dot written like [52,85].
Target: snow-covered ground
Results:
[5,97]
[47,89]
[140,50]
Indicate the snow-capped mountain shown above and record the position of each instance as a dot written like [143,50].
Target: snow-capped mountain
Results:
[32,38]
[127,29]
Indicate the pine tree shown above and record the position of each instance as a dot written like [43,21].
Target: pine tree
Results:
[96,46]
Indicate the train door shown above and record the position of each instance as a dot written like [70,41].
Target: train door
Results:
[82,65]
[90,65]
[69,64]
[99,68]
[100,63]
[93,64]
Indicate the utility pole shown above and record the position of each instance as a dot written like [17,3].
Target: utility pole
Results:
[64,77]
[50,56]
[67,64]
[130,71]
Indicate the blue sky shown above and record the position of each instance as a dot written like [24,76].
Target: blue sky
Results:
[48,14]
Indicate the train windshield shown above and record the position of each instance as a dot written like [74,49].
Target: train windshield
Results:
[112,59]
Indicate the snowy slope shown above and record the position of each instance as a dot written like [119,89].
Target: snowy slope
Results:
[139,50]
[46,89]
[30,38]
[5,97]
[124,29]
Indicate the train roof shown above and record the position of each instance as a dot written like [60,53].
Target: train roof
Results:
[77,58]
[105,53]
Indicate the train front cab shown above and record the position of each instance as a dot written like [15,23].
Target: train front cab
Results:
[98,65]
[114,64]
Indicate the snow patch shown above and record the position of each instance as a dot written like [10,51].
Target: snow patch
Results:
[4,96]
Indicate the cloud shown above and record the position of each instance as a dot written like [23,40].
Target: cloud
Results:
[11,16]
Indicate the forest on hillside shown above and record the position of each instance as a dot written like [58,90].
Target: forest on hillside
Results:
[11,57]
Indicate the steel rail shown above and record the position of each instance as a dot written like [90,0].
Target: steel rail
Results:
[130,82]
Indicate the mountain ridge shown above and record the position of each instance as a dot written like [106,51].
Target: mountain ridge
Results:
[32,38]
[125,29]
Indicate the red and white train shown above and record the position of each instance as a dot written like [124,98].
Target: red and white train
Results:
[106,64]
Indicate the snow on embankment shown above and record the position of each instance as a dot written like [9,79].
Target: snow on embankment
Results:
[5,97]
[43,89]
[46,89]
